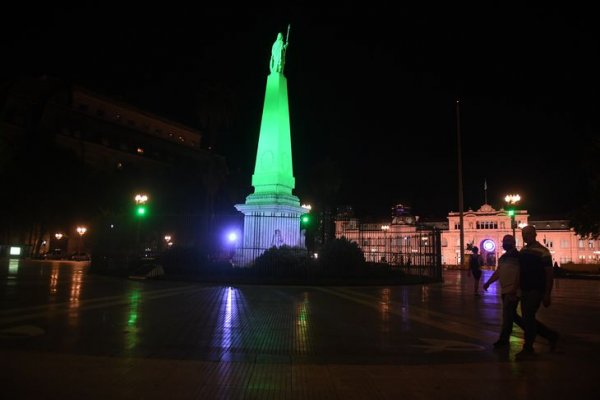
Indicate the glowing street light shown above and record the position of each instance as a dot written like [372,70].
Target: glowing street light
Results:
[512,200]
[81,230]
[140,211]
[385,229]
[58,236]
[141,198]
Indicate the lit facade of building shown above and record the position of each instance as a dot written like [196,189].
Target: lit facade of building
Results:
[483,228]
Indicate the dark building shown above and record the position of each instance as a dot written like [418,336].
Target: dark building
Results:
[71,157]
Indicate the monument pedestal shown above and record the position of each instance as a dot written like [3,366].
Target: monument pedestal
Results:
[269,221]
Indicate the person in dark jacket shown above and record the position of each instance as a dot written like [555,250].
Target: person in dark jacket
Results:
[536,281]
[475,263]
[508,273]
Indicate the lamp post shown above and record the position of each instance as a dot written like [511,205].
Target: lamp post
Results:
[385,229]
[81,230]
[140,212]
[58,243]
[512,200]
[168,241]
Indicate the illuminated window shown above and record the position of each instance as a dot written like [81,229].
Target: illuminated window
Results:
[564,243]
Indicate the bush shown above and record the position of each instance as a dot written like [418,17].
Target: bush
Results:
[342,257]
[282,261]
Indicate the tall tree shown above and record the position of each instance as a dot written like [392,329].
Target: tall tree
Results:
[586,219]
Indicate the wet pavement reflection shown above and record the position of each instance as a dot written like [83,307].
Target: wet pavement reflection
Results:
[256,333]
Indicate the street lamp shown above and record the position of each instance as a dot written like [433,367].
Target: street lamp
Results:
[385,229]
[81,230]
[58,236]
[140,212]
[512,200]
[168,241]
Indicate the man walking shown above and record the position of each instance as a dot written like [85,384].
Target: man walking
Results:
[536,282]
[508,274]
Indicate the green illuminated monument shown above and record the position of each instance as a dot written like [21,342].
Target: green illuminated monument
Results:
[272,213]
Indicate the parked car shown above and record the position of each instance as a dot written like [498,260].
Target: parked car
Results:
[56,254]
[80,256]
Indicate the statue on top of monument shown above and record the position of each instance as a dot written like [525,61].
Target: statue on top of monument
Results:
[278,52]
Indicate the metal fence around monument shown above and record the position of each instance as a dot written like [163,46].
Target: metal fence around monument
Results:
[415,253]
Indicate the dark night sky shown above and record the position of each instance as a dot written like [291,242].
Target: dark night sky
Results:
[372,89]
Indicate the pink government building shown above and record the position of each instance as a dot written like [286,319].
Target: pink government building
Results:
[405,235]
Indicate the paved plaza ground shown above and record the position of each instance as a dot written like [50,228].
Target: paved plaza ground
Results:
[68,334]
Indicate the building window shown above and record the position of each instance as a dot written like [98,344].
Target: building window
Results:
[591,244]
[580,244]
[564,244]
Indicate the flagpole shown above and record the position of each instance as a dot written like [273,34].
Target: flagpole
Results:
[460,186]
[485,190]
